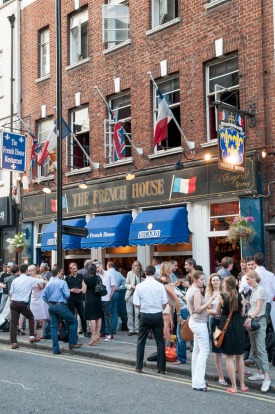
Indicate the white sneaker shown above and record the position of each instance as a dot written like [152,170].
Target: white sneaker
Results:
[265,386]
[109,338]
[256,377]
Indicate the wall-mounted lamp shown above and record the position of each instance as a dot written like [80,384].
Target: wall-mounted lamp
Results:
[130,176]
[207,156]
[264,153]
[83,184]
[46,189]
[179,164]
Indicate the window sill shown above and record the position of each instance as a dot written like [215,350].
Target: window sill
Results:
[77,64]
[112,49]
[43,179]
[124,161]
[214,4]
[85,170]
[211,143]
[163,26]
[165,153]
[43,78]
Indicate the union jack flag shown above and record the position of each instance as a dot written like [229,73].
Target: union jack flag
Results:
[35,149]
[119,148]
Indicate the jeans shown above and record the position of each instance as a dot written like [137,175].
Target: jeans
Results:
[258,348]
[108,320]
[152,321]
[57,312]
[181,343]
[132,313]
[114,311]
[200,352]
[47,331]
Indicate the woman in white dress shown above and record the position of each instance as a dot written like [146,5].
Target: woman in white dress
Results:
[38,306]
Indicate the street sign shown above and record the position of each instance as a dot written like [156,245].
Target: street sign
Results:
[13,154]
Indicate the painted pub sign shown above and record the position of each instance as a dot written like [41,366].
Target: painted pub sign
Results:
[231,140]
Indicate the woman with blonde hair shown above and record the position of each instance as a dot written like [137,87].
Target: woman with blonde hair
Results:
[168,317]
[213,288]
[234,339]
[257,308]
[38,306]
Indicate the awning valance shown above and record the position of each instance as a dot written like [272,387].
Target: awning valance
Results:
[107,231]
[163,226]
[49,238]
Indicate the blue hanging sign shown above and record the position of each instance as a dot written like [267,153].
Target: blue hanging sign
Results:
[13,154]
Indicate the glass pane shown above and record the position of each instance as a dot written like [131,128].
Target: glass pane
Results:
[224,209]
[81,121]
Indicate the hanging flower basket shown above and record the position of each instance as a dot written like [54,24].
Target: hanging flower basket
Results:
[17,243]
[240,229]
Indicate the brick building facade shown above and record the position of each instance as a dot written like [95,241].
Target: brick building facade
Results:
[197,52]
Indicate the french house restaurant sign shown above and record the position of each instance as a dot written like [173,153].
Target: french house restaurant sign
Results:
[172,187]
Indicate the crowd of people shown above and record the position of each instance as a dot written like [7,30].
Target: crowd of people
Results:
[155,302]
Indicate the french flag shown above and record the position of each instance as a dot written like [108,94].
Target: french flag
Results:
[184,185]
[164,117]
[51,142]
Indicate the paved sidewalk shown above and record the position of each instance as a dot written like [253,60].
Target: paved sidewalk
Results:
[123,350]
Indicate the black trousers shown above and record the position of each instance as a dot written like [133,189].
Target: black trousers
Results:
[78,305]
[152,321]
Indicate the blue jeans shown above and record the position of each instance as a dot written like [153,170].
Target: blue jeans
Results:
[47,331]
[58,312]
[107,322]
[181,344]
[113,310]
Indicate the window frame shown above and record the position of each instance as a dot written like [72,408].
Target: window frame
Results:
[71,143]
[44,50]
[230,215]
[77,43]
[172,106]
[211,113]
[109,123]
[156,17]
[110,44]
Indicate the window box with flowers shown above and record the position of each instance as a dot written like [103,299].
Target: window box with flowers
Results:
[17,243]
[241,230]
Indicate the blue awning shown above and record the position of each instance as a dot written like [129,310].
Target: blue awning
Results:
[107,231]
[48,242]
[164,226]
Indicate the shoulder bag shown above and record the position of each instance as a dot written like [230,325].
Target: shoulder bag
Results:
[185,332]
[218,335]
[100,289]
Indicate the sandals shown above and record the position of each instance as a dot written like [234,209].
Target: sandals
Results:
[231,391]
[20,331]
[177,362]
[223,383]
[245,389]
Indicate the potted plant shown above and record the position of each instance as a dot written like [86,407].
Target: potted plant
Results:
[240,229]
[17,243]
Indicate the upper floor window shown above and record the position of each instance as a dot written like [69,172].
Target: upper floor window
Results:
[79,37]
[116,142]
[1,74]
[170,90]
[222,84]
[44,52]
[163,11]
[80,126]
[116,23]
[44,129]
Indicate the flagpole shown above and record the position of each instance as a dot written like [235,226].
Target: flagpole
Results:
[95,165]
[190,144]
[171,188]
[138,150]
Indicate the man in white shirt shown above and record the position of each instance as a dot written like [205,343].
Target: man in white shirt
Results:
[20,291]
[267,281]
[151,299]
[109,281]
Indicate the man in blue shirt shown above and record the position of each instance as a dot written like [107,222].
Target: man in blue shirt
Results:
[120,285]
[56,294]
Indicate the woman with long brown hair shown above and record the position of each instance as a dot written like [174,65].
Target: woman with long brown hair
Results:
[234,340]
[213,288]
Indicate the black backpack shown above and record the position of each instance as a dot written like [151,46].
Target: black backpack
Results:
[63,331]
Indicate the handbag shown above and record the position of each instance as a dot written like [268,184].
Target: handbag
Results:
[100,289]
[170,354]
[254,326]
[218,335]
[185,332]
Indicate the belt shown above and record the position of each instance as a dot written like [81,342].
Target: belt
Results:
[57,303]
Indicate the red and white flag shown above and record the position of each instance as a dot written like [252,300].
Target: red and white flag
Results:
[164,117]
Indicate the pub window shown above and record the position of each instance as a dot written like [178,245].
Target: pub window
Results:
[163,11]
[222,84]
[121,107]
[79,37]
[170,89]
[80,126]
[221,214]
[44,129]
[116,23]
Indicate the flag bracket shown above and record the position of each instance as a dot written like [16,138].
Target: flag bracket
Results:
[249,113]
